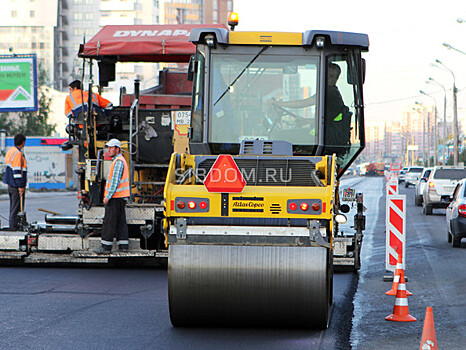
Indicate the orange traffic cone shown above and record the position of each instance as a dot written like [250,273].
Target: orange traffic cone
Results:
[396,277]
[429,339]
[401,309]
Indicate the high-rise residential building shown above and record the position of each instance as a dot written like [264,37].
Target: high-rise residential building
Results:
[394,142]
[194,11]
[374,149]
[27,26]
[80,20]
[408,141]
[54,29]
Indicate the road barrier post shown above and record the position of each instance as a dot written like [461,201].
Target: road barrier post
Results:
[395,223]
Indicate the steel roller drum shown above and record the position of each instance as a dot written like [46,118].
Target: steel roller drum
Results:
[259,286]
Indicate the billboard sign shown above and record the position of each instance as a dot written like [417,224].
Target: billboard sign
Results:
[18,83]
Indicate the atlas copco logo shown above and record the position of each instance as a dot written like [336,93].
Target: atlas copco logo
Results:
[150,33]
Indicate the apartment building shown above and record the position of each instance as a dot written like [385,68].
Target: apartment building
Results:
[54,29]
[28,26]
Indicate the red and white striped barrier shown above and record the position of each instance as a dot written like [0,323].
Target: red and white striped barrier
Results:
[395,223]
[392,186]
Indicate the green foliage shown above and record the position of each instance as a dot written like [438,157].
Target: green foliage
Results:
[31,123]
[461,158]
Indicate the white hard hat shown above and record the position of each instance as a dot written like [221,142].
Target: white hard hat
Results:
[113,143]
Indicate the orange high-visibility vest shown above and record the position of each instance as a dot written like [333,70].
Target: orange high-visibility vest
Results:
[73,101]
[16,161]
[122,190]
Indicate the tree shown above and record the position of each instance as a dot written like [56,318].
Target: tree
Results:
[32,123]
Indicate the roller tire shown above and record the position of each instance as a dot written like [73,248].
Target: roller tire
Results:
[207,286]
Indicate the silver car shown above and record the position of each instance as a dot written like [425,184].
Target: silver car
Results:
[412,175]
[440,186]
[401,176]
[456,216]
[420,185]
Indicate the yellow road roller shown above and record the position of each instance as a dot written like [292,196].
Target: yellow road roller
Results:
[252,210]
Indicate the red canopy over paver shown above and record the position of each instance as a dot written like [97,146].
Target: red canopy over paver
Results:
[144,43]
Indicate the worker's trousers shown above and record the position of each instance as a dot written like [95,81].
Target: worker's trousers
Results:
[15,206]
[114,225]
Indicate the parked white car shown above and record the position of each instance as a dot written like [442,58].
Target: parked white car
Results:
[401,176]
[412,175]
[420,185]
[440,186]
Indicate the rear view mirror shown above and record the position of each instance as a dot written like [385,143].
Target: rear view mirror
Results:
[351,74]
[106,72]
[363,63]
[423,179]
[191,68]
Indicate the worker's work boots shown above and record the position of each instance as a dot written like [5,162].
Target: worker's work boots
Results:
[103,250]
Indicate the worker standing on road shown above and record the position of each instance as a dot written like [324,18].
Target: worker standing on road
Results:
[115,195]
[16,178]
[74,104]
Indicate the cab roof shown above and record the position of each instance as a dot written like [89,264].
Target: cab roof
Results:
[307,38]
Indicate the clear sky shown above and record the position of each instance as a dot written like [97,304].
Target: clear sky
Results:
[405,38]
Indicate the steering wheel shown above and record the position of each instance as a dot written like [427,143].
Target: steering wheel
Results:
[276,112]
[283,111]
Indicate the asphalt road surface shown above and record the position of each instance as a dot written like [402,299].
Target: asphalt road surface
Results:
[79,308]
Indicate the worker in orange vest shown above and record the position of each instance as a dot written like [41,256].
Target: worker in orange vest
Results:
[74,104]
[116,193]
[16,178]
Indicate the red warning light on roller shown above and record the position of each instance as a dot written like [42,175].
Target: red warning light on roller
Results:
[224,176]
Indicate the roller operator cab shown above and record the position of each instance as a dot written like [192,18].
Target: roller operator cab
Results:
[252,212]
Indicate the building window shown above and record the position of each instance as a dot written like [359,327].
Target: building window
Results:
[32,14]
[14,14]
[89,16]
[89,2]
[77,31]
[77,2]
[33,45]
[89,32]
[215,5]
[42,46]
[215,16]
[77,16]
[230,6]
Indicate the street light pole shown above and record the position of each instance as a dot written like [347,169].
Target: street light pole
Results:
[455,116]
[425,142]
[436,155]
[431,80]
